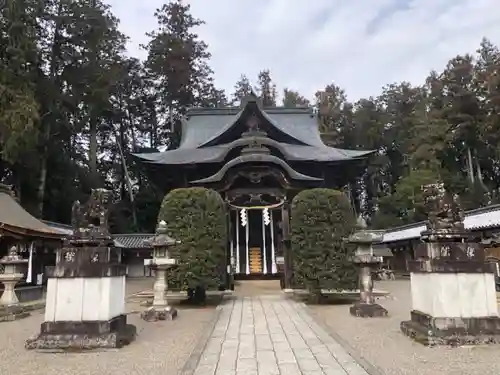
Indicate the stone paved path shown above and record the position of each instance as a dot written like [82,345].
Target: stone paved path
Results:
[269,335]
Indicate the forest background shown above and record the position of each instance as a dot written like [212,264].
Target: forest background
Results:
[74,106]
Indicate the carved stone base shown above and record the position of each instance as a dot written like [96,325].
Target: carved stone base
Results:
[155,313]
[11,313]
[433,331]
[80,336]
[367,310]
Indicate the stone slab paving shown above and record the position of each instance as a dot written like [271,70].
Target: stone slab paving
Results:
[269,335]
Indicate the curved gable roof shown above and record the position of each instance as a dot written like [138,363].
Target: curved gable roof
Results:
[256,158]
[205,125]
[214,154]
[15,219]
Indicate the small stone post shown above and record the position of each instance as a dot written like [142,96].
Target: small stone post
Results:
[161,262]
[364,239]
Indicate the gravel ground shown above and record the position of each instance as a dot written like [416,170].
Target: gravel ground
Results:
[381,342]
[160,347]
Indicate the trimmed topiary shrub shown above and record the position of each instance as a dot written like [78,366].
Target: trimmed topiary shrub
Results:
[197,218]
[320,221]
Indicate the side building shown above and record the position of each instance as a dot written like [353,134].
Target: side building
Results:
[132,250]
[484,223]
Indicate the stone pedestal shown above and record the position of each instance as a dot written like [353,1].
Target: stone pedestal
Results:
[366,261]
[9,281]
[161,262]
[85,303]
[160,309]
[453,304]
[366,306]
[85,311]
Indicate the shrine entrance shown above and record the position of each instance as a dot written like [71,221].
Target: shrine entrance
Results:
[255,248]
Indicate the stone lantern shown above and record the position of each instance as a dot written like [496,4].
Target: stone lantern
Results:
[161,262]
[11,276]
[364,240]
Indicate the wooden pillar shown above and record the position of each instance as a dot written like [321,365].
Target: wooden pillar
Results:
[264,255]
[273,247]
[287,251]
[230,244]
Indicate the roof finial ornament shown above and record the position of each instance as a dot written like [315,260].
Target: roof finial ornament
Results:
[253,92]
[250,97]
[253,123]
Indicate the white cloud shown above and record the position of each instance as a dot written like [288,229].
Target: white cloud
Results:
[360,45]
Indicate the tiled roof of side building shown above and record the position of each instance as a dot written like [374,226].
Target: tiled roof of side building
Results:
[132,240]
[121,240]
[15,219]
[480,218]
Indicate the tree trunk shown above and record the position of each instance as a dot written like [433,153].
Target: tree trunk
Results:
[42,182]
[93,151]
[479,172]
[46,120]
[470,166]
[93,120]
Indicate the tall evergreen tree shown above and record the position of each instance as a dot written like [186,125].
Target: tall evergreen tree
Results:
[292,99]
[242,89]
[267,89]
[177,64]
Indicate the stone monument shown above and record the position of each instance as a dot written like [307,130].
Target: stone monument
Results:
[161,262]
[364,240]
[452,288]
[85,303]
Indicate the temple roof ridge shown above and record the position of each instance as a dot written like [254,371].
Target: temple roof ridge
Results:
[234,110]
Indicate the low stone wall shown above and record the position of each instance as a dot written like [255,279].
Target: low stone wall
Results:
[28,293]
[20,311]
[30,298]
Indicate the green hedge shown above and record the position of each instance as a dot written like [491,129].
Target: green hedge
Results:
[320,221]
[197,218]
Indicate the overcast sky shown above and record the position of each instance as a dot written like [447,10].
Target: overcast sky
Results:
[360,45]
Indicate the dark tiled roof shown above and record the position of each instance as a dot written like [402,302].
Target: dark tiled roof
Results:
[122,240]
[480,218]
[215,154]
[203,126]
[132,240]
[14,218]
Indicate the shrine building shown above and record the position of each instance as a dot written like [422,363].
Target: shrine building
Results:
[258,159]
